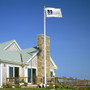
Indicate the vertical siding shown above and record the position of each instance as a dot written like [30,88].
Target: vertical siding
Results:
[4,73]
[13,47]
[34,62]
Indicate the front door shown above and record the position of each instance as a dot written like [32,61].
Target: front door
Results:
[16,71]
[16,75]
[29,75]
[33,75]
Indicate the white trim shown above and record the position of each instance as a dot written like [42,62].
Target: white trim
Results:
[32,57]
[11,44]
[31,67]
[52,70]
[26,71]
[53,63]
[13,69]
[1,74]
[17,44]
[7,71]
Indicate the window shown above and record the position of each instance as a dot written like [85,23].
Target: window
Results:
[51,74]
[10,71]
[29,75]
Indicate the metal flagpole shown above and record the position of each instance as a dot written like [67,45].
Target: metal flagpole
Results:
[44,45]
[31,73]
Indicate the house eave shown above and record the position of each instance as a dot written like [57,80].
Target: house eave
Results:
[14,41]
[32,58]
[55,67]
[10,62]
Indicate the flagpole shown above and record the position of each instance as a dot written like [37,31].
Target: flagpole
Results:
[44,46]
[31,73]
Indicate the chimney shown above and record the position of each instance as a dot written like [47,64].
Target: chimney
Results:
[40,56]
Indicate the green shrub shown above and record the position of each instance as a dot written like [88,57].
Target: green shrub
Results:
[4,86]
[50,87]
[17,86]
[22,81]
[57,86]
[8,86]
[62,87]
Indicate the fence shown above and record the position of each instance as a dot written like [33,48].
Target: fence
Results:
[71,82]
[64,81]
[16,80]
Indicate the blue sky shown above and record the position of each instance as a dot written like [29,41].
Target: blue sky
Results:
[22,20]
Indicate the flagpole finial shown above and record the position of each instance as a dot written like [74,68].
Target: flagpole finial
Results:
[44,5]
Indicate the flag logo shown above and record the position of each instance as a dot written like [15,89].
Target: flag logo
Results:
[50,12]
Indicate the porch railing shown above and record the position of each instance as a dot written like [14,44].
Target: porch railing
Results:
[16,80]
[50,80]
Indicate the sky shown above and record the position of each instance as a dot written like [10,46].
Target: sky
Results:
[23,20]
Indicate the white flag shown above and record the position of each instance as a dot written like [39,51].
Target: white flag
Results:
[53,12]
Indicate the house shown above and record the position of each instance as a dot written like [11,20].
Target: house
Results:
[25,63]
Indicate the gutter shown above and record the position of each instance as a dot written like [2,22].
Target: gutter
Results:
[10,62]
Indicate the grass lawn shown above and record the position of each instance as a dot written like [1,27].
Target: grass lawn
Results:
[21,89]
[30,89]
[37,89]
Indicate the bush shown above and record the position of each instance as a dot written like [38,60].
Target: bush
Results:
[17,86]
[8,86]
[57,86]
[61,87]
[22,81]
[50,87]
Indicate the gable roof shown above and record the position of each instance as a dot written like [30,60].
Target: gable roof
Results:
[5,45]
[14,56]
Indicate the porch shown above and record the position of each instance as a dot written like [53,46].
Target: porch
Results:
[37,81]
[50,81]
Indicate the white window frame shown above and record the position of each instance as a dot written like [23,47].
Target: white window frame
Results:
[29,67]
[13,70]
[9,65]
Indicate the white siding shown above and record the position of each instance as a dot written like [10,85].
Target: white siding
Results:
[4,68]
[0,74]
[12,47]
[4,72]
[52,68]
[34,62]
